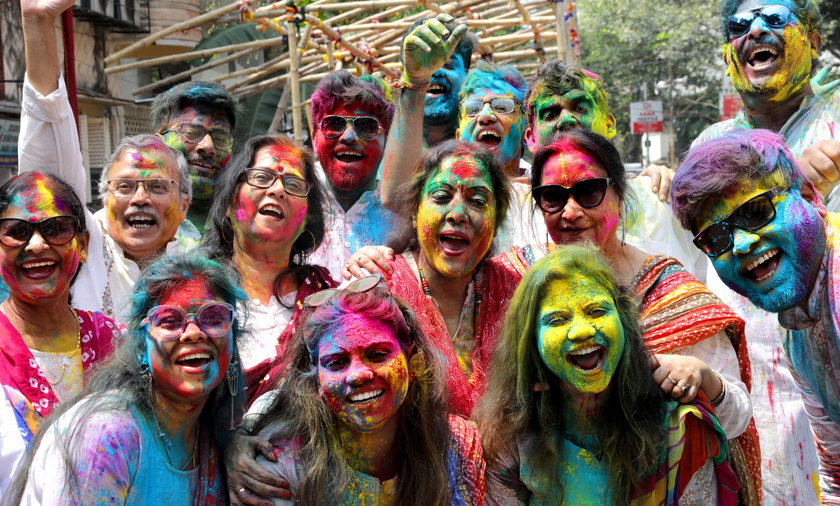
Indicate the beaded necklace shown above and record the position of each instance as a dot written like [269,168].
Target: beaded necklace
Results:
[477,290]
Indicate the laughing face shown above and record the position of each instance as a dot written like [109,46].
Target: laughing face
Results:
[457,216]
[574,223]
[774,63]
[187,369]
[580,337]
[262,215]
[205,159]
[143,224]
[349,161]
[500,133]
[363,373]
[775,266]
[38,270]
[442,96]
[574,109]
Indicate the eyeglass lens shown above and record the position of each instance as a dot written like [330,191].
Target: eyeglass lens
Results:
[57,230]
[169,322]
[587,193]
[360,285]
[128,187]
[365,127]
[292,185]
[751,215]
[776,16]
[194,133]
[500,105]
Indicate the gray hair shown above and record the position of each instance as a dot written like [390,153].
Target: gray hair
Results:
[141,142]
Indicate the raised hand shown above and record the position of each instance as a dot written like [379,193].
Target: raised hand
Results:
[427,48]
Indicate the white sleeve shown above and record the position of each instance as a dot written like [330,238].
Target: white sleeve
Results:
[735,412]
[49,140]
[827,437]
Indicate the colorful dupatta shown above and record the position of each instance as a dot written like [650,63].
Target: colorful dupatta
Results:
[689,422]
[500,281]
[265,376]
[678,310]
[24,382]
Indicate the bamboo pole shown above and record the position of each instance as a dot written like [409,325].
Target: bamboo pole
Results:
[329,32]
[190,72]
[281,109]
[297,120]
[254,44]
[177,27]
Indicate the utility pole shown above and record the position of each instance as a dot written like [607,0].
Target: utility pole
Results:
[673,154]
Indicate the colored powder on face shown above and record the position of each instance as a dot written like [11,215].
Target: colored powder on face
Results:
[464,168]
[186,295]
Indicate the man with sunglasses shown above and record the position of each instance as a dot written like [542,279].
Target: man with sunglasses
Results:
[351,118]
[762,225]
[771,49]
[196,118]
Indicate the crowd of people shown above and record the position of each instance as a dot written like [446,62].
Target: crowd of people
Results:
[412,313]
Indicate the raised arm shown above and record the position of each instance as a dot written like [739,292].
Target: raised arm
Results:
[49,140]
[425,50]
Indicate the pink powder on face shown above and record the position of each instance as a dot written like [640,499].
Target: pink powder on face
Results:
[187,294]
[240,214]
[464,168]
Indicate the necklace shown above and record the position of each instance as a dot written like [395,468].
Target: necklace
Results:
[167,444]
[476,289]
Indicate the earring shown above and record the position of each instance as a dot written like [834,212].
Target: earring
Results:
[233,377]
[225,225]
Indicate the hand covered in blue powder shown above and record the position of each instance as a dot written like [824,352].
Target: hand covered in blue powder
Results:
[823,89]
[427,48]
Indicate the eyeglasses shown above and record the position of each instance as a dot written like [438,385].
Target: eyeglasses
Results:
[500,105]
[365,127]
[552,198]
[58,230]
[168,323]
[262,178]
[751,215]
[776,16]
[193,134]
[126,187]
[360,285]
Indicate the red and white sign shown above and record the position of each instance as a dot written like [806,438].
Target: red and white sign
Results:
[730,100]
[646,117]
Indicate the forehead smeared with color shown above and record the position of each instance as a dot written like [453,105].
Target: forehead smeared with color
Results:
[555,84]
[192,291]
[40,197]
[500,80]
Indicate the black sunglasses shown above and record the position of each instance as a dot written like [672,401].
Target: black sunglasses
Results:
[751,215]
[776,16]
[58,230]
[365,127]
[552,198]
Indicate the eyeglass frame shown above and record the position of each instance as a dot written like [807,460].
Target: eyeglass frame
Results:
[758,12]
[137,185]
[176,130]
[485,102]
[315,299]
[540,189]
[191,317]
[768,194]
[282,177]
[37,225]
[329,134]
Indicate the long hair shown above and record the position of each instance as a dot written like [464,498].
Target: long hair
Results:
[629,424]
[217,243]
[300,413]
[410,194]
[126,371]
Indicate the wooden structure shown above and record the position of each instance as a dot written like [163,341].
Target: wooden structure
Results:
[363,37]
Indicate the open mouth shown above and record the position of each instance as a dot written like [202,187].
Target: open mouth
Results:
[489,138]
[435,90]
[202,168]
[38,268]
[141,221]
[454,243]
[348,156]
[195,360]
[587,359]
[761,57]
[764,266]
[272,211]
[366,396]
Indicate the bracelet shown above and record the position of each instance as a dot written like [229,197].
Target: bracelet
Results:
[403,84]
[719,399]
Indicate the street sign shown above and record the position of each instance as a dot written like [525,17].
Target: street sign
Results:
[730,100]
[646,117]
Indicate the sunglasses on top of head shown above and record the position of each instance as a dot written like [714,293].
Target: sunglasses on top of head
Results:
[775,16]
[753,214]
[588,193]
[365,127]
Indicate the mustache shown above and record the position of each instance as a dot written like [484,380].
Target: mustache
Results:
[765,40]
[146,209]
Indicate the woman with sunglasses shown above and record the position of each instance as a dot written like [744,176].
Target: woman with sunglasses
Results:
[361,417]
[560,426]
[146,427]
[47,348]
[266,218]
[579,185]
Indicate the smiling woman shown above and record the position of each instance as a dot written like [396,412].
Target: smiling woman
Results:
[47,347]
[267,217]
[158,427]
[361,417]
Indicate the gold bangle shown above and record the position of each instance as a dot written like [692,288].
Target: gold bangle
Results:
[719,399]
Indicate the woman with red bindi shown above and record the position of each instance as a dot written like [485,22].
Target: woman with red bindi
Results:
[48,347]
